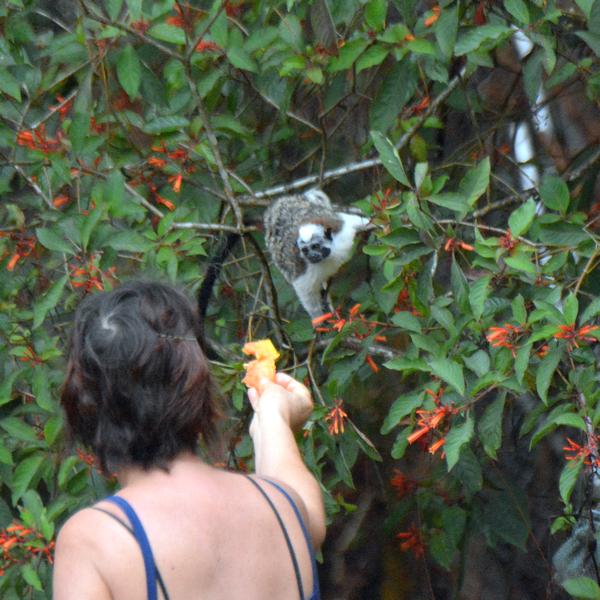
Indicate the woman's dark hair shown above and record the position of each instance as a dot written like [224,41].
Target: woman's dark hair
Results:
[138,389]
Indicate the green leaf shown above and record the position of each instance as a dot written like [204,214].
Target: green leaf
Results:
[478,294]
[349,53]
[48,301]
[591,39]
[475,182]
[518,310]
[546,371]
[593,23]
[457,437]
[518,9]
[24,473]
[129,71]
[79,131]
[402,406]
[31,577]
[53,241]
[450,200]
[18,429]
[407,364]
[473,38]
[375,13]
[389,157]
[166,124]
[490,426]
[446,29]
[520,220]
[570,420]
[568,478]
[522,361]
[135,9]
[555,193]
[240,59]
[374,56]
[167,33]
[407,321]
[478,362]
[130,241]
[520,262]
[89,224]
[396,89]
[570,309]
[9,85]
[582,588]
[114,8]
[591,310]
[450,371]
[563,234]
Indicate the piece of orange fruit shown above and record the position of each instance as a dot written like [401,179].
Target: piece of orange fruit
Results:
[263,367]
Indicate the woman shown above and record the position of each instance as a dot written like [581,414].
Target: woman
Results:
[138,391]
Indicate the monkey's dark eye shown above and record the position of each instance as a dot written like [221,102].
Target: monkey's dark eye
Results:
[328,233]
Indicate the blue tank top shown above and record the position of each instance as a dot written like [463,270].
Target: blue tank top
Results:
[153,576]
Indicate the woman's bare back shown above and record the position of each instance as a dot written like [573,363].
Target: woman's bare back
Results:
[212,533]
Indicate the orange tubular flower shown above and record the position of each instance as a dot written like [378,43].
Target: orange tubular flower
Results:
[411,540]
[429,21]
[453,243]
[436,445]
[204,46]
[170,206]
[336,417]
[575,336]
[504,337]
[175,181]
[158,163]
[372,364]
[60,201]
[402,484]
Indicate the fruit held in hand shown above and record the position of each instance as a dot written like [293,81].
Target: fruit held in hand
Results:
[264,364]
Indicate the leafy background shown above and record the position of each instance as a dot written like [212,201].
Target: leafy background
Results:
[460,369]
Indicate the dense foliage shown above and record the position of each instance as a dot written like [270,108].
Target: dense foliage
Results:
[135,135]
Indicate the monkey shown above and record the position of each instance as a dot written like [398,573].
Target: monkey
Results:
[309,240]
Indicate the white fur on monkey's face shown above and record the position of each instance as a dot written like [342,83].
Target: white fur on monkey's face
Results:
[314,242]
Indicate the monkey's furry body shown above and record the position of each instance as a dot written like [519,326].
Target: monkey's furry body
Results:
[309,240]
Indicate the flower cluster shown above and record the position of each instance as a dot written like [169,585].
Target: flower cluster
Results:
[574,336]
[161,160]
[87,275]
[504,337]
[411,540]
[19,544]
[336,417]
[333,322]
[37,139]
[402,484]
[430,420]
[382,202]
[24,246]
[588,452]
[453,243]
[508,242]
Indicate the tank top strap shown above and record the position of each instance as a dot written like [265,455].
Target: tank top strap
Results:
[316,595]
[142,539]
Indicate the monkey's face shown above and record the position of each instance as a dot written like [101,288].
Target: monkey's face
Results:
[314,242]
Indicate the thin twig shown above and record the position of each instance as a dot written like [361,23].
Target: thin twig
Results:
[213,227]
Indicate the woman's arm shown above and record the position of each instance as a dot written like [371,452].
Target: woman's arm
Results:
[280,409]
[75,575]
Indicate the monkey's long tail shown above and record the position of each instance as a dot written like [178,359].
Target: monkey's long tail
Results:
[213,271]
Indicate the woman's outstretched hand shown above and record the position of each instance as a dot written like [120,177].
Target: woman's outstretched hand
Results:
[285,397]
